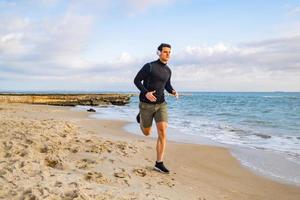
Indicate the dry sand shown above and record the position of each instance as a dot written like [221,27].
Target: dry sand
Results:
[49,152]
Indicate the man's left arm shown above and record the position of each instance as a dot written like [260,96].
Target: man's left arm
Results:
[169,87]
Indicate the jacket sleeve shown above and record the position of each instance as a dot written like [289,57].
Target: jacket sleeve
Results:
[141,76]
[168,86]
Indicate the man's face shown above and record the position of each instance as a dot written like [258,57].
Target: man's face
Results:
[165,54]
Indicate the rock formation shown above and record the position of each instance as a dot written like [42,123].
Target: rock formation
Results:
[66,99]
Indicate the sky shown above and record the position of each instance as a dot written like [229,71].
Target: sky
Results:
[100,45]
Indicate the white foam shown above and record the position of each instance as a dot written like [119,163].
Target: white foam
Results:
[274,165]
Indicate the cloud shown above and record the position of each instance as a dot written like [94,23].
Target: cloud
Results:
[264,65]
[272,64]
[45,44]
[272,54]
[50,52]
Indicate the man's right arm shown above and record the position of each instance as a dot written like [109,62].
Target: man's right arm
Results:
[141,76]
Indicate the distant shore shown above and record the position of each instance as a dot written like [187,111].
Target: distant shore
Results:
[66,99]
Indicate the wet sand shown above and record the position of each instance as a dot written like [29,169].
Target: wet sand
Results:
[50,152]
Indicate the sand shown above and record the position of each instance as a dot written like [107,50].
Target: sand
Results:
[51,152]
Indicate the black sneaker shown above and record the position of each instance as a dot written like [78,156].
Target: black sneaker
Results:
[160,167]
[138,118]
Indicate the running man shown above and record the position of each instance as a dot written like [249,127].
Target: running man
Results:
[152,80]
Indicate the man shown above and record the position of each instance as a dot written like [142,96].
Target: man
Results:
[156,77]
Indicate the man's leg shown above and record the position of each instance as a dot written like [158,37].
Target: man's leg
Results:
[161,119]
[161,140]
[146,131]
[146,118]
[160,147]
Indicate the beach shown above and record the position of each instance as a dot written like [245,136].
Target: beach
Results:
[53,152]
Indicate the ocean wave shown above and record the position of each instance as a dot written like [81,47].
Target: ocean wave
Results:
[287,97]
[263,136]
[227,114]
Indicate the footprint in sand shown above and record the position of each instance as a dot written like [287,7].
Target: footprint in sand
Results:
[140,172]
[29,141]
[78,141]
[125,149]
[54,163]
[69,195]
[166,183]
[85,163]
[7,145]
[74,184]
[149,186]
[120,174]
[88,140]
[97,149]
[123,175]
[74,149]
[27,194]
[96,177]
[58,184]
[44,149]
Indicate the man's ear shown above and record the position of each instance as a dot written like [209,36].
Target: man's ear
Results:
[158,52]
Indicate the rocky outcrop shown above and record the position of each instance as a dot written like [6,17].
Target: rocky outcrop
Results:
[66,99]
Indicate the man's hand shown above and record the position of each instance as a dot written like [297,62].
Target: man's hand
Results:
[175,94]
[150,96]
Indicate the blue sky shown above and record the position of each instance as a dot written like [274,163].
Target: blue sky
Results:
[100,45]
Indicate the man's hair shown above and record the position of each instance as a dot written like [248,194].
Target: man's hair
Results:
[162,45]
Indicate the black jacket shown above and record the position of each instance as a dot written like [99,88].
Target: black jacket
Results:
[155,76]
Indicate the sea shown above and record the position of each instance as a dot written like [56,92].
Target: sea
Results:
[261,129]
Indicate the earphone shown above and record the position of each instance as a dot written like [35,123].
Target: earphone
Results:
[158,52]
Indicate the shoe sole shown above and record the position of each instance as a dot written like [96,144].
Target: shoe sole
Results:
[159,170]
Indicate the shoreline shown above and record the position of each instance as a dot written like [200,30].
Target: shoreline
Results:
[270,164]
[85,147]
[241,153]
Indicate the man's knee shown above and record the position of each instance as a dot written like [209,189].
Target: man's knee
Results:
[162,129]
[146,131]
[161,126]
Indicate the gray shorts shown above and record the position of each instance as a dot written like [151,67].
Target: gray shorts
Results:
[149,111]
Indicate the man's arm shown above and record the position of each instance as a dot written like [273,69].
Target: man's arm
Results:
[142,75]
[169,87]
